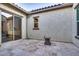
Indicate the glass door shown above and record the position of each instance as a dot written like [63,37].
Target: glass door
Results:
[6,26]
[16,27]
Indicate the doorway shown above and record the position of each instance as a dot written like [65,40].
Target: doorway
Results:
[11,27]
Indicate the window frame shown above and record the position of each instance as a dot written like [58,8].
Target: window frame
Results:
[36,27]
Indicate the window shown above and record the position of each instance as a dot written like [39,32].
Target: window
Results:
[77,22]
[77,36]
[36,23]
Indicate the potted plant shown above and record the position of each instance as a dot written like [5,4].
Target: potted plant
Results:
[47,40]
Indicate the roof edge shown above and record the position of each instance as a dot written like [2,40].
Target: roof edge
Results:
[52,8]
[16,6]
[43,9]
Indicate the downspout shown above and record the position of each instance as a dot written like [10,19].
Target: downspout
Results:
[27,26]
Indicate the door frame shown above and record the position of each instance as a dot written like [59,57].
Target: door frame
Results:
[12,13]
[13,24]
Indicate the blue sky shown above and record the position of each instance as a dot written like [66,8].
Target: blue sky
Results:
[33,6]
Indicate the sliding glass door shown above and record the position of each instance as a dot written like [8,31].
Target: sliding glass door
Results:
[16,27]
[10,27]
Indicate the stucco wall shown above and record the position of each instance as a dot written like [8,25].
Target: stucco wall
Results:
[57,24]
[13,10]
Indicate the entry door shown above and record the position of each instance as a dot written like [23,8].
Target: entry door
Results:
[16,27]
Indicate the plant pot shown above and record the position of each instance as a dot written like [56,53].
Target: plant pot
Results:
[47,41]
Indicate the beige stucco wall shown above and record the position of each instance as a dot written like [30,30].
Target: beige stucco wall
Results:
[10,27]
[15,11]
[57,24]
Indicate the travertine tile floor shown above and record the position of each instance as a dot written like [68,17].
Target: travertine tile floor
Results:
[37,48]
